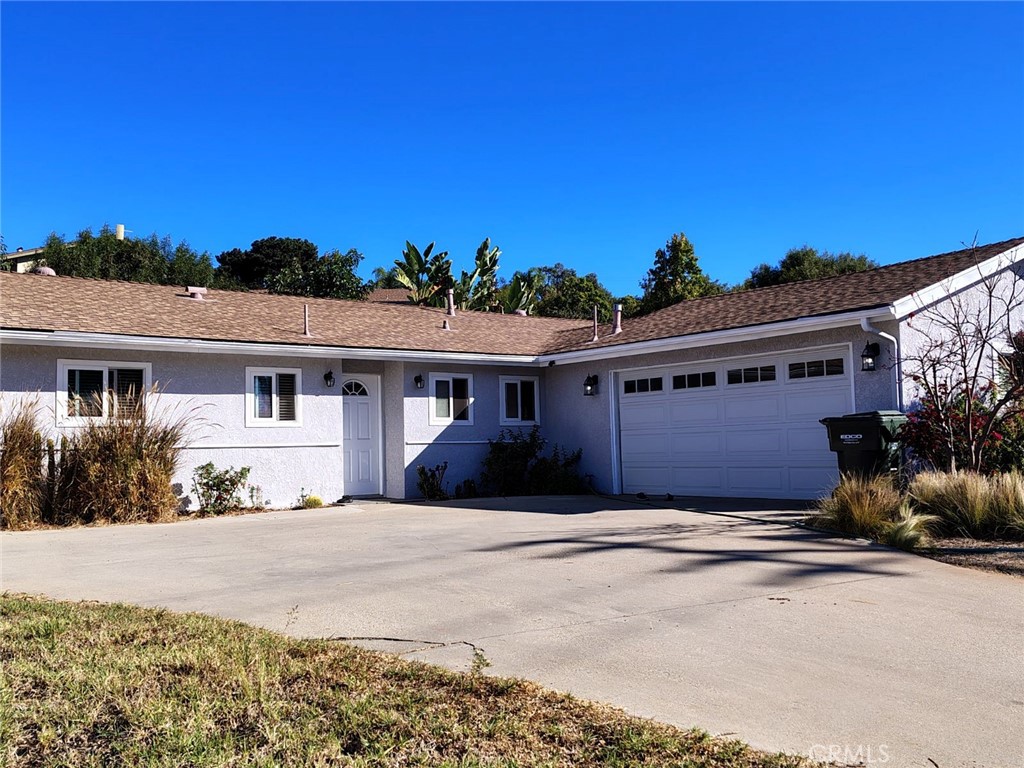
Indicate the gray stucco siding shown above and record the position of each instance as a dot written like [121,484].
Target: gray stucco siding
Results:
[209,390]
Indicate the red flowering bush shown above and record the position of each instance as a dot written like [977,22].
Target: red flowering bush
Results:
[942,442]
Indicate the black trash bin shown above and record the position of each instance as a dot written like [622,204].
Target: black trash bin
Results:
[864,443]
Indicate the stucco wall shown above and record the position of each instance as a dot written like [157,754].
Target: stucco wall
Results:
[585,422]
[463,446]
[919,330]
[211,388]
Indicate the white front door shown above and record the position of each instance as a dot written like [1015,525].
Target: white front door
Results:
[361,435]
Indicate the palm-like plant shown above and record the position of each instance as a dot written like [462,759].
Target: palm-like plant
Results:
[427,275]
[478,289]
[521,294]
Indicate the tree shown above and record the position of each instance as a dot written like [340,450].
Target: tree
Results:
[427,275]
[332,275]
[522,293]
[142,260]
[477,289]
[806,263]
[676,276]
[566,294]
[384,278]
[265,259]
[966,362]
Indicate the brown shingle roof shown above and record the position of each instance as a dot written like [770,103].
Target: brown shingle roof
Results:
[33,302]
[877,287]
[389,295]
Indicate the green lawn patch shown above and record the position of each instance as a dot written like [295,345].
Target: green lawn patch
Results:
[86,684]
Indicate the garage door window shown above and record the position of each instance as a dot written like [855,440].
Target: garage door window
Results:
[750,375]
[636,386]
[812,369]
[694,380]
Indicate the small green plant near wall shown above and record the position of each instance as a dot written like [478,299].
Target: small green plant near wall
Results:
[308,501]
[218,491]
[515,466]
[430,482]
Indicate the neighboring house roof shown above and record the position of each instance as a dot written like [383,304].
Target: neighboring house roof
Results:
[32,302]
[389,295]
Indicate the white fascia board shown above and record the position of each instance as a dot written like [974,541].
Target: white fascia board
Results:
[919,300]
[729,336]
[198,346]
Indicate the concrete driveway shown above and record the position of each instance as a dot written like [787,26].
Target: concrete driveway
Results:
[786,638]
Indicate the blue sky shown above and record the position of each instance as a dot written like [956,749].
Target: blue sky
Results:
[580,133]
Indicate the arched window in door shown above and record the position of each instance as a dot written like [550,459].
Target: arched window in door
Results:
[353,387]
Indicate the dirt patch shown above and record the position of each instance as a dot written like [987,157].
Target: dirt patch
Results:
[1001,556]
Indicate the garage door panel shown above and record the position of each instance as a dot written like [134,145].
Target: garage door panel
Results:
[702,411]
[804,404]
[756,441]
[740,409]
[637,445]
[755,480]
[809,439]
[702,480]
[697,444]
[644,413]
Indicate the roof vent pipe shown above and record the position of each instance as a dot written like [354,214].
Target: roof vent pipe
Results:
[451,302]
[195,292]
[445,326]
[595,325]
[616,319]
[305,320]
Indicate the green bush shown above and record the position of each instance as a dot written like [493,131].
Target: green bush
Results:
[873,507]
[430,482]
[119,470]
[218,491]
[972,505]
[515,466]
[22,482]
[310,501]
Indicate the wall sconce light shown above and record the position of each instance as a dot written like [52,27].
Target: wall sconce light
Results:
[418,381]
[869,356]
[329,379]
[590,385]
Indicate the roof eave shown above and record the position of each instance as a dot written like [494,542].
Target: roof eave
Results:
[879,313]
[920,300]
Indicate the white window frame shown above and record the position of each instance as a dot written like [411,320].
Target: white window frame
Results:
[506,422]
[251,419]
[437,421]
[66,364]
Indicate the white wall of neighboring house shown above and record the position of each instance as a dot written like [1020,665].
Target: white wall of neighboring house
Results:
[918,330]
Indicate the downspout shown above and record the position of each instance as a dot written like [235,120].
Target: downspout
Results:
[866,325]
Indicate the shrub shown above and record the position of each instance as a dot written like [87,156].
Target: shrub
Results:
[872,506]
[22,482]
[861,505]
[972,505]
[218,491]
[310,501]
[430,482]
[515,466]
[119,470]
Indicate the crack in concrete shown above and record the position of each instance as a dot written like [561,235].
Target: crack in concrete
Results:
[426,645]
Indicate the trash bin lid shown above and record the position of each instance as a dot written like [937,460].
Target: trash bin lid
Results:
[875,415]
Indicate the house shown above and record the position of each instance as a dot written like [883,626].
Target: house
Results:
[718,396]
[23,259]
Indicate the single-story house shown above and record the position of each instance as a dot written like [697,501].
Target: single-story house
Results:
[719,396]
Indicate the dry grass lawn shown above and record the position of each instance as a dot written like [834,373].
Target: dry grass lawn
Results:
[85,684]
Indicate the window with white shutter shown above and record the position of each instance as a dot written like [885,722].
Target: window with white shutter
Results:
[273,397]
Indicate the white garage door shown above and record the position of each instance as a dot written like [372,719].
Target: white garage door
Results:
[742,427]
